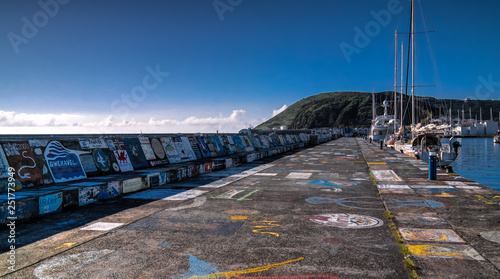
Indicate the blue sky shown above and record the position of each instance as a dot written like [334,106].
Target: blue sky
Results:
[202,65]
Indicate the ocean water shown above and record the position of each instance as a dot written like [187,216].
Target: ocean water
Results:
[479,160]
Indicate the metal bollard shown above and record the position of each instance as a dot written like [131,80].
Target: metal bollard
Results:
[381,144]
[432,164]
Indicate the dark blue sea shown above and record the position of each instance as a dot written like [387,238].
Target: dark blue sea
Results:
[479,160]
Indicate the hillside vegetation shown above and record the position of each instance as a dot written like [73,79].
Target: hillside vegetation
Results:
[354,109]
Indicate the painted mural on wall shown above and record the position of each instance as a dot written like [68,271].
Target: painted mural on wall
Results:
[170,150]
[38,146]
[101,159]
[135,153]
[146,148]
[64,164]
[195,147]
[4,164]
[219,149]
[188,148]
[50,203]
[179,147]
[88,163]
[210,146]
[121,154]
[93,143]
[21,158]
[239,144]
[158,149]
[203,147]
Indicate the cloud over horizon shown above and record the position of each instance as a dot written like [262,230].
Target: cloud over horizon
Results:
[15,123]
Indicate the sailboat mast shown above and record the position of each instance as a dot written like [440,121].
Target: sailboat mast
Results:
[373,104]
[412,67]
[402,96]
[395,80]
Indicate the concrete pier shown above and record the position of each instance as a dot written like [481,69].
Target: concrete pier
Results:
[342,209]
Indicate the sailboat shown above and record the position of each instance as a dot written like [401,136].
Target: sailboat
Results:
[424,141]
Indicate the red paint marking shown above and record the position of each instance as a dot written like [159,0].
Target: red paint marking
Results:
[324,276]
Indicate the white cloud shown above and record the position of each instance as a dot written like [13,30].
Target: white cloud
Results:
[278,111]
[16,123]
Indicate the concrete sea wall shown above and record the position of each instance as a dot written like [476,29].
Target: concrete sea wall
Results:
[44,174]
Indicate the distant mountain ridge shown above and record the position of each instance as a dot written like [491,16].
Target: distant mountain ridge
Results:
[354,109]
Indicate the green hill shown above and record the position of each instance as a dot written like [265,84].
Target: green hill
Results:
[354,109]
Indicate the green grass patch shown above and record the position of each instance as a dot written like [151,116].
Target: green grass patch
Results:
[388,214]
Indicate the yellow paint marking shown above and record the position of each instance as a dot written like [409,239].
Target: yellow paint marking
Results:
[427,250]
[268,224]
[65,245]
[376,163]
[485,200]
[271,233]
[239,217]
[324,162]
[250,270]
[445,195]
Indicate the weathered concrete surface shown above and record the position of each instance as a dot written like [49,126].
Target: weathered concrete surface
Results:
[318,213]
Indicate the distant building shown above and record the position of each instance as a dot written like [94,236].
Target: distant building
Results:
[472,127]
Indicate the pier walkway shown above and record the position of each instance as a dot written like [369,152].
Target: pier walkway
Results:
[342,209]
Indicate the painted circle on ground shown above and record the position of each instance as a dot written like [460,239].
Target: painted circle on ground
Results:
[101,160]
[346,220]
[493,236]
[158,148]
[116,167]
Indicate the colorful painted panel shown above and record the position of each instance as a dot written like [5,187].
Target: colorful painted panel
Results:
[219,148]
[188,148]
[64,164]
[111,190]
[21,158]
[239,144]
[246,142]
[101,159]
[436,235]
[88,163]
[146,148]
[195,147]
[179,147]
[203,147]
[38,146]
[158,149]
[123,160]
[87,195]
[170,150]
[4,165]
[210,146]
[445,252]
[135,153]
[121,154]
[50,203]
[132,185]
[93,143]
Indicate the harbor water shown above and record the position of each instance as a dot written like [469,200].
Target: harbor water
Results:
[479,160]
